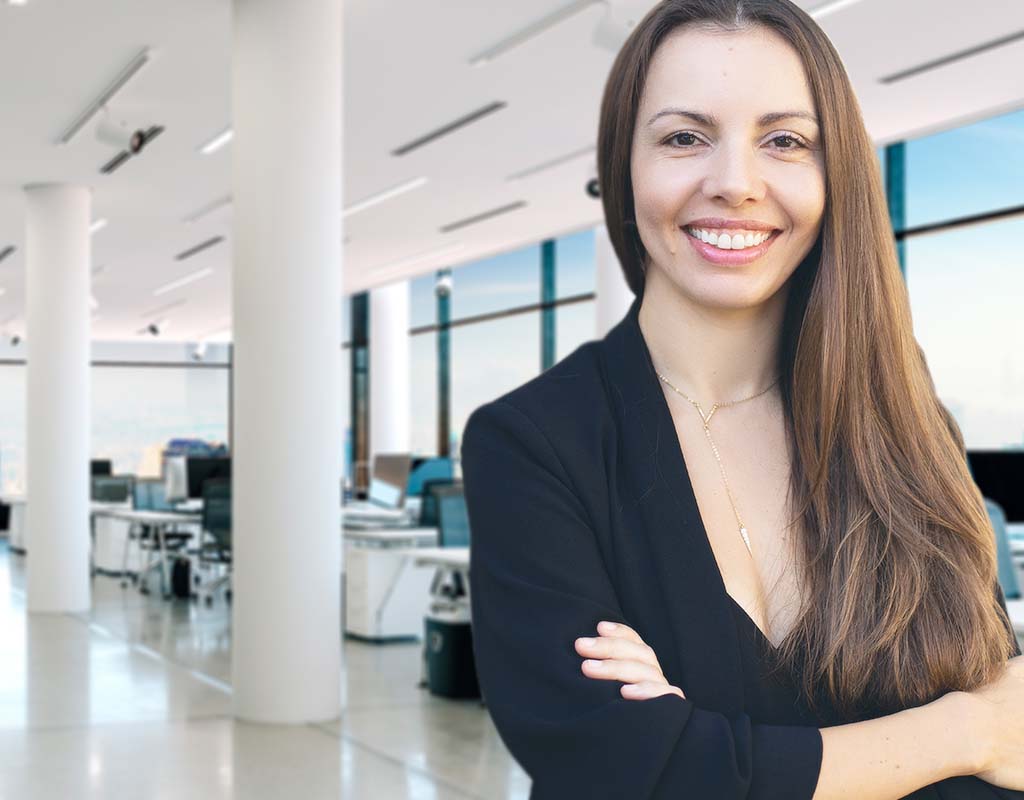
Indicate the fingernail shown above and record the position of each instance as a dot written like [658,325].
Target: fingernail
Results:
[594,664]
[607,626]
[586,642]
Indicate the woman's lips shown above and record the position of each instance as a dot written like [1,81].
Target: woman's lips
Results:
[730,258]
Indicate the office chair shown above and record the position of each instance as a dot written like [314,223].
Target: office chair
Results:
[215,549]
[426,471]
[453,519]
[1007,570]
[428,501]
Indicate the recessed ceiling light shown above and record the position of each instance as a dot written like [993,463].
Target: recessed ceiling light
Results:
[17,2]
[98,225]
[217,142]
[192,278]
[387,194]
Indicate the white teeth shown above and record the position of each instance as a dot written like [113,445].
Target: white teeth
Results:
[725,241]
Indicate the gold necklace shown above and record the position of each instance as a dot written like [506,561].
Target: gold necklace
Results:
[706,418]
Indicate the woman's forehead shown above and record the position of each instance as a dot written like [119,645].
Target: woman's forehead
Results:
[754,69]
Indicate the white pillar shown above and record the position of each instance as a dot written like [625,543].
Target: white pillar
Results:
[57,251]
[390,402]
[286,181]
[614,296]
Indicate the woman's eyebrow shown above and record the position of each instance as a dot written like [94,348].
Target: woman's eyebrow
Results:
[711,121]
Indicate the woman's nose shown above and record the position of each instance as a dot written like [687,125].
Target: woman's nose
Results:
[733,174]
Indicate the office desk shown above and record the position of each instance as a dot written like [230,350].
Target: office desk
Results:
[159,522]
[446,561]
[385,592]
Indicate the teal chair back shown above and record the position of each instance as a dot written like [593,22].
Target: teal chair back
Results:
[453,520]
[1007,571]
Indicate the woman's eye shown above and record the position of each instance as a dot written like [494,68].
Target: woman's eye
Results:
[796,142]
[675,136]
[790,142]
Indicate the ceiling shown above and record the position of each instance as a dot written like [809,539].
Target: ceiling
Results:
[406,72]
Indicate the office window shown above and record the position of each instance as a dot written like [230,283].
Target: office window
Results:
[497,283]
[965,171]
[574,325]
[575,264]
[489,359]
[422,300]
[136,410]
[423,426]
[965,290]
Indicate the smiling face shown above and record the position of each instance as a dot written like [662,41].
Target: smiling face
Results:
[732,161]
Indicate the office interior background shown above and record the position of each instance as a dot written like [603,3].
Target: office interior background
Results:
[470,253]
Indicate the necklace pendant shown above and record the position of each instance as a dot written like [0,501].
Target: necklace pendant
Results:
[746,539]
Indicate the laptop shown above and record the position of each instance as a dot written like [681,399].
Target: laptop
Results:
[386,499]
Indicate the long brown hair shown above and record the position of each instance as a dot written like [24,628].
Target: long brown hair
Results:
[894,542]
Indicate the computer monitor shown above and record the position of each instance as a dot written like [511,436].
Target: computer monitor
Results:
[1000,477]
[199,469]
[389,479]
[100,466]
[175,478]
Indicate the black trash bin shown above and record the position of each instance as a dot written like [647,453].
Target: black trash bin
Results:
[451,668]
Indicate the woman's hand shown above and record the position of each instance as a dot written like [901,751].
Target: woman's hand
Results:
[1002,702]
[619,654]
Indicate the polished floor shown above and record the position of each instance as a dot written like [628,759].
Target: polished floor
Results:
[133,700]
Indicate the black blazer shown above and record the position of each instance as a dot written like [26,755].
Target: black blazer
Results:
[581,510]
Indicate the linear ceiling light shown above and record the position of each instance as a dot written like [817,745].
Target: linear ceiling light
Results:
[199,248]
[387,194]
[530,31]
[131,69]
[554,162]
[941,62]
[98,225]
[831,7]
[185,281]
[209,208]
[444,130]
[494,212]
[155,312]
[217,142]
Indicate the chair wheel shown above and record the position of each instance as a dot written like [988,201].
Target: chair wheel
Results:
[209,601]
[227,595]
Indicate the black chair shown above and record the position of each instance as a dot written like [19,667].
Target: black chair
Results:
[215,545]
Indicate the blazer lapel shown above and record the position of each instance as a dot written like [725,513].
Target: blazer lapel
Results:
[702,622]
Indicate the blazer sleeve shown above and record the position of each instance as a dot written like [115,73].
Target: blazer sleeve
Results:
[538,582]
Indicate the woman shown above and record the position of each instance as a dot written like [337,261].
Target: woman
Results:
[750,477]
